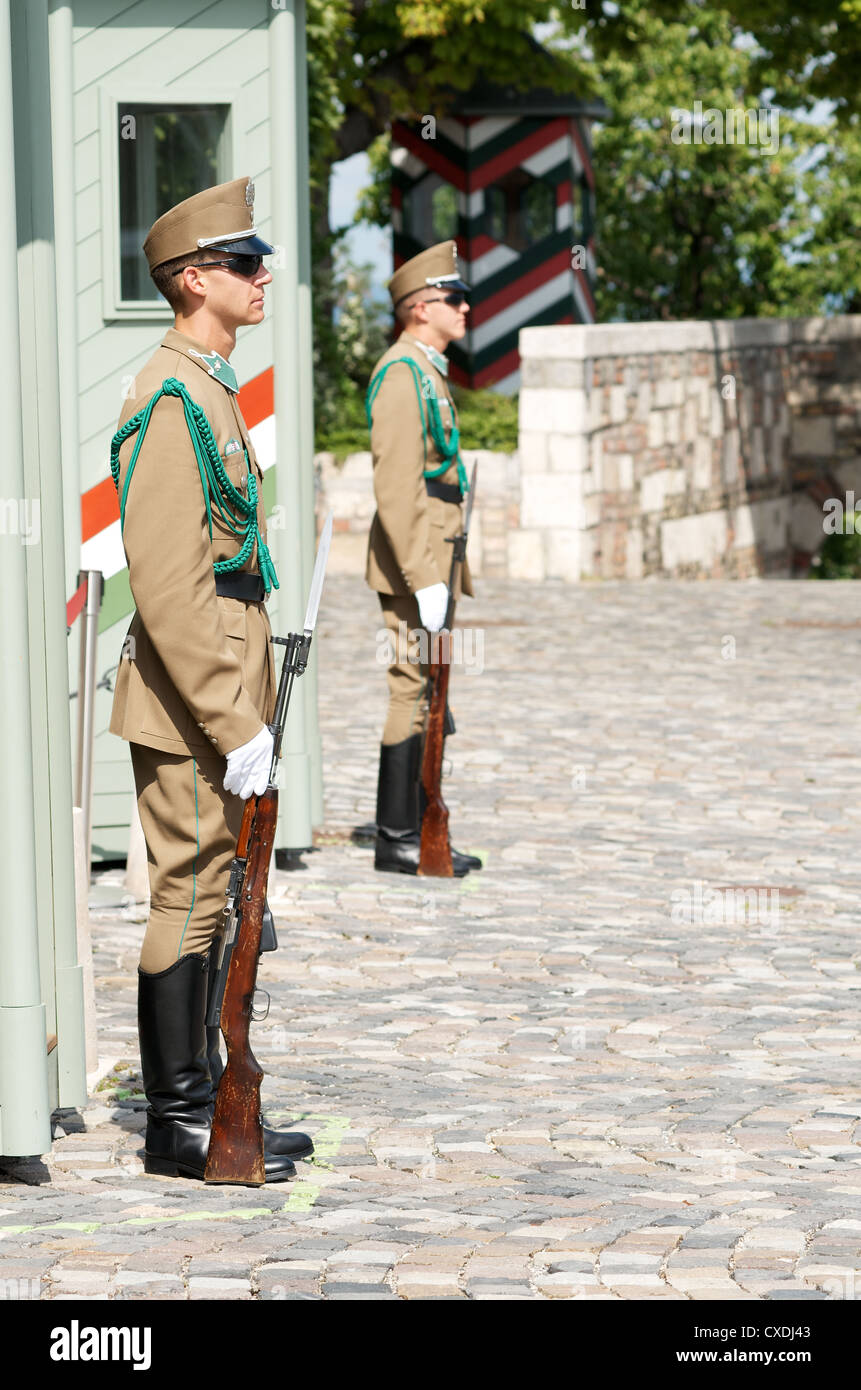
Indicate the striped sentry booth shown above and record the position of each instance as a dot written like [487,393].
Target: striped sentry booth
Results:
[510,177]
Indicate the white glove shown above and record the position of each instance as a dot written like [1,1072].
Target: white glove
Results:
[433,601]
[248,766]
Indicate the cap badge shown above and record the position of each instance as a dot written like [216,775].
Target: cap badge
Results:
[249,194]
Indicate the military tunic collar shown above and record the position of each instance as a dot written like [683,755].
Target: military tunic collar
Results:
[435,358]
[212,362]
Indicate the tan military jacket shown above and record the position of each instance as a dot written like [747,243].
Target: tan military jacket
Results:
[197,673]
[407,548]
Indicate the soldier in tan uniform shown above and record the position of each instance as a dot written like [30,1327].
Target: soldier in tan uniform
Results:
[419,484]
[196,683]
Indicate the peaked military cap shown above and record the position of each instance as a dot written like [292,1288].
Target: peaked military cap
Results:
[437,266]
[218,219]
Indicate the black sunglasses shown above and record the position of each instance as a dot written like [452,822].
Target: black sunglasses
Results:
[243,265]
[455,299]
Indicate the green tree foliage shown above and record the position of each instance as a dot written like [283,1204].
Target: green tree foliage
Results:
[691,229]
[345,350]
[375,200]
[487,419]
[805,51]
[840,554]
[832,252]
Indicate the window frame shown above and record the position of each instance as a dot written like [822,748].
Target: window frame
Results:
[512,185]
[114,103]
[413,225]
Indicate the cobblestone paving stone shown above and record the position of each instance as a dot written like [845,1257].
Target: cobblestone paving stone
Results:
[562,1077]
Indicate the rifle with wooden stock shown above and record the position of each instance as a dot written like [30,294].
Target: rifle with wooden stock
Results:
[236,1140]
[435,852]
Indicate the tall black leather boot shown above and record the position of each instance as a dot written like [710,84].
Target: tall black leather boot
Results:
[293,1144]
[398,845]
[172,1026]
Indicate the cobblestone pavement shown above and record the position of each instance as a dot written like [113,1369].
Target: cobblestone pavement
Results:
[592,1070]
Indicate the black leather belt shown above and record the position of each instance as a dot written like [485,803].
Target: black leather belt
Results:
[242,585]
[446,492]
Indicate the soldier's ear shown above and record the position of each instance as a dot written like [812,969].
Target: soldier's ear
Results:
[193,283]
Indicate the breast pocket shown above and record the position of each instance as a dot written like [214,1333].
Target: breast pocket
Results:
[237,471]
[227,541]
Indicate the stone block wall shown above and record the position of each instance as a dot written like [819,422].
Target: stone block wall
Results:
[695,449]
[495,529]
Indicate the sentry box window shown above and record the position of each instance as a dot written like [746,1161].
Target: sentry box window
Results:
[166,153]
[155,151]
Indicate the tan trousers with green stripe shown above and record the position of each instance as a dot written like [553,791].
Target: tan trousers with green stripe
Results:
[408,678]
[191,825]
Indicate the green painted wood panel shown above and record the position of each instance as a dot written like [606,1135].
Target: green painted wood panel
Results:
[112,808]
[117,53]
[116,768]
[88,212]
[132,344]
[112,843]
[87,262]
[87,162]
[110,38]
[86,110]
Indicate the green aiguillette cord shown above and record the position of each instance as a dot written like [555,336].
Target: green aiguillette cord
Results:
[430,418]
[236,511]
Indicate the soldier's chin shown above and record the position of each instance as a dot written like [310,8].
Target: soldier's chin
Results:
[460,332]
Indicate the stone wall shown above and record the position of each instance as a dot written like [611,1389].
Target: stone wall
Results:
[688,449]
[495,539]
[696,449]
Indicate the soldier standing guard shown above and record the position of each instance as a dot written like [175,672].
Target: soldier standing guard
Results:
[196,684]
[419,484]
